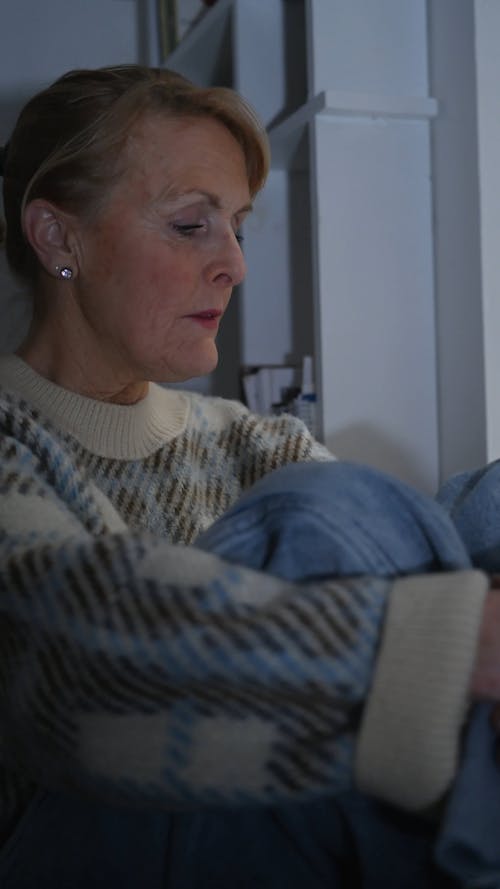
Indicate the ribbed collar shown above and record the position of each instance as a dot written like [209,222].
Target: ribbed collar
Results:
[125,432]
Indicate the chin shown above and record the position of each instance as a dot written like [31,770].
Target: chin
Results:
[202,365]
[206,360]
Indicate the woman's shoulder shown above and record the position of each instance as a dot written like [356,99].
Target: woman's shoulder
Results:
[215,408]
[234,422]
[225,412]
[18,418]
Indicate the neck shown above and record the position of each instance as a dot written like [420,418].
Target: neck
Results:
[78,370]
[120,431]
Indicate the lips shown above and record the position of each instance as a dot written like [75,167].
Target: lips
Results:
[209,314]
[209,318]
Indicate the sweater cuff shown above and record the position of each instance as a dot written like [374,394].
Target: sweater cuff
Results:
[408,746]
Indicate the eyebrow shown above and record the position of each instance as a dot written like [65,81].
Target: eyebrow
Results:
[207,196]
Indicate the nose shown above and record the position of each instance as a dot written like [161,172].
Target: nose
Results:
[228,267]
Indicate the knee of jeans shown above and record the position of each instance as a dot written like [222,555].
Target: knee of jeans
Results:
[361,496]
[325,479]
[472,500]
[348,495]
[471,492]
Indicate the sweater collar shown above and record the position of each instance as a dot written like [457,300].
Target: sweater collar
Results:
[124,432]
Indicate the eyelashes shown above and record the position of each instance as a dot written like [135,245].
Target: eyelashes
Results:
[186,231]
[189,231]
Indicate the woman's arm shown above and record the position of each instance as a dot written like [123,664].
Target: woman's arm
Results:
[133,669]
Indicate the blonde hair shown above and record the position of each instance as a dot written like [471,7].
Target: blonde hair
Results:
[67,145]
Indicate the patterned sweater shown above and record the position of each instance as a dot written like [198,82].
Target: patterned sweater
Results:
[135,667]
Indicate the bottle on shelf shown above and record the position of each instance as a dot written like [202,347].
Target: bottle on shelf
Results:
[305,406]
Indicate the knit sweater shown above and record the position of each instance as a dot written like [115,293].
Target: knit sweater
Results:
[137,668]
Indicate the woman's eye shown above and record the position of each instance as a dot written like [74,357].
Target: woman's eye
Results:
[187,230]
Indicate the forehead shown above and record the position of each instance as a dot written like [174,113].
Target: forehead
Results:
[196,153]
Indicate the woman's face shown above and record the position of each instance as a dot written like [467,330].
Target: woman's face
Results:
[157,267]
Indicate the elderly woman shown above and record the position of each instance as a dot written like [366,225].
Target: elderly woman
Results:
[235,678]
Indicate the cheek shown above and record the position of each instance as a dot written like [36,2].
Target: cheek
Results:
[159,293]
[110,255]
[132,271]
[166,280]
[146,279]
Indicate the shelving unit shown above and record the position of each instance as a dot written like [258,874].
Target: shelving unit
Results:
[339,247]
[204,55]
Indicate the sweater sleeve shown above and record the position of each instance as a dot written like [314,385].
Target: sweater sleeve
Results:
[408,746]
[138,671]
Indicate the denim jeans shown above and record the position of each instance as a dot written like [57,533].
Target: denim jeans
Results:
[303,521]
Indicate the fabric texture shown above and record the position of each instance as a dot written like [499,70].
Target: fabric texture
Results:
[364,523]
[131,664]
[139,672]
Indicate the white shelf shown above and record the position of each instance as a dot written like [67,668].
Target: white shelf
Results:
[374,106]
[204,53]
[287,137]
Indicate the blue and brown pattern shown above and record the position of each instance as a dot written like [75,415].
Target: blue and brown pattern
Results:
[138,668]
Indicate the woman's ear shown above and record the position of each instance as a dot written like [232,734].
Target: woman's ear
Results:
[48,231]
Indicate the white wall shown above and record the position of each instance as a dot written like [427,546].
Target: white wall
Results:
[459,327]
[487,22]
[38,42]
[375,318]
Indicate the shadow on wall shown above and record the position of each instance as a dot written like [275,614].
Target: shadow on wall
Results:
[15,309]
[10,106]
[15,302]
[364,443]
